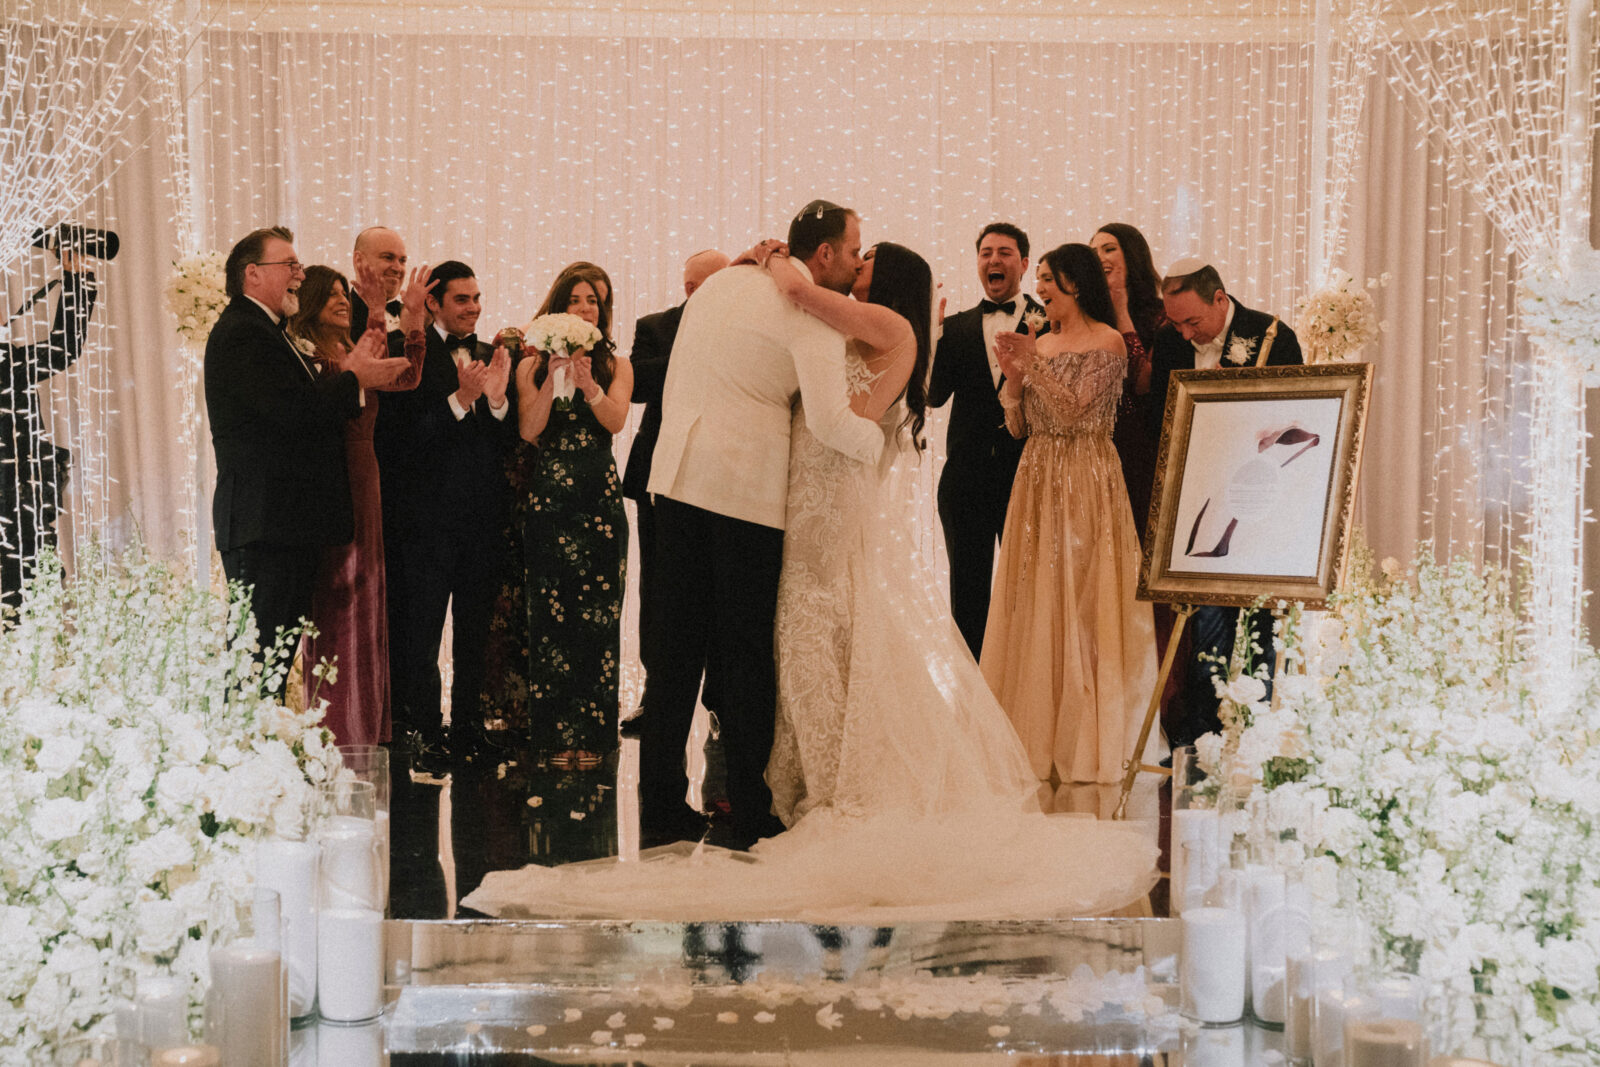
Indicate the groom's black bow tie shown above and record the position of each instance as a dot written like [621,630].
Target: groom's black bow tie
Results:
[467,341]
[986,307]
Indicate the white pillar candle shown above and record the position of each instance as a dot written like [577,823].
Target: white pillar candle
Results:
[350,964]
[350,1046]
[187,1056]
[290,869]
[1194,869]
[1269,1000]
[246,1014]
[1384,1043]
[1300,988]
[349,863]
[1211,964]
[1327,1026]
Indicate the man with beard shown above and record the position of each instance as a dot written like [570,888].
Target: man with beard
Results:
[277,429]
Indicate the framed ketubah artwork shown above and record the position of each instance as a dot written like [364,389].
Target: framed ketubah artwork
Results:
[1255,484]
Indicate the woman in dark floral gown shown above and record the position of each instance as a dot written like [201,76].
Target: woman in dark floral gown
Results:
[505,685]
[574,534]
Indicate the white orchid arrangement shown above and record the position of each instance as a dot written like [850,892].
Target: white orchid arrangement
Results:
[1339,319]
[139,758]
[196,294]
[1409,764]
[1559,301]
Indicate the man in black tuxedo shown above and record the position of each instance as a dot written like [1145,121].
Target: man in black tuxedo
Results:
[980,453]
[1206,330]
[278,430]
[441,461]
[382,250]
[652,349]
[33,470]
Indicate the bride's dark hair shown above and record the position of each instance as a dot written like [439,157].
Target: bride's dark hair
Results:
[903,282]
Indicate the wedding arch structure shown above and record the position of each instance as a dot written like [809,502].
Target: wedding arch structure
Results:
[1447,146]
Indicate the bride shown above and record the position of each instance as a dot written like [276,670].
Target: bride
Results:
[905,789]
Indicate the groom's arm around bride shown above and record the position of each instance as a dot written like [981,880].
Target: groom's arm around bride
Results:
[720,476]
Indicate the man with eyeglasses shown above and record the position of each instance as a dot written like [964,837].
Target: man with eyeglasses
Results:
[277,430]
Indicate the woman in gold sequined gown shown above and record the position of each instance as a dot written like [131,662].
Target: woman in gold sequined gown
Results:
[1069,652]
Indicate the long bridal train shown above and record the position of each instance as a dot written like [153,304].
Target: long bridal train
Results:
[927,809]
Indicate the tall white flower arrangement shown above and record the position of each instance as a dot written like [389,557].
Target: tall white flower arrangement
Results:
[196,294]
[1339,319]
[1412,762]
[138,758]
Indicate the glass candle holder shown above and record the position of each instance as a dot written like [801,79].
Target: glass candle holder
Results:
[350,914]
[1473,1029]
[286,863]
[1212,956]
[247,1004]
[370,763]
[1383,1024]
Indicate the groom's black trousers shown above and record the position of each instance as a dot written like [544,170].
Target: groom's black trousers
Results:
[715,593]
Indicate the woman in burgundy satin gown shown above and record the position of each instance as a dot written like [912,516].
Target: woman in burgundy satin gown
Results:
[348,606]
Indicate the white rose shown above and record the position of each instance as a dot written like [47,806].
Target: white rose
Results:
[1572,967]
[60,818]
[158,854]
[180,787]
[1245,689]
[160,925]
[58,755]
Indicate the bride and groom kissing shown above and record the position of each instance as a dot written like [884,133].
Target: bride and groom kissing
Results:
[788,582]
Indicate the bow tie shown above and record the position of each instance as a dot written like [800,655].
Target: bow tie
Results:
[988,307]
[469,341]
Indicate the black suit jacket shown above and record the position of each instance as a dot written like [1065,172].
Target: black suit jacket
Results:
[358,313]
[440,474]
[278,432]
[977,441]
[33,470]
[1170,352]
[652,348]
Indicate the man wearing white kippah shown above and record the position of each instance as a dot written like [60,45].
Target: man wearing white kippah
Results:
[1207,329]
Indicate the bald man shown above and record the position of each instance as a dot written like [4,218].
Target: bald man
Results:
[381,249]
[652,348]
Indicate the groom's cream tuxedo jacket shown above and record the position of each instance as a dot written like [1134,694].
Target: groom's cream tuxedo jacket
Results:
[742,354]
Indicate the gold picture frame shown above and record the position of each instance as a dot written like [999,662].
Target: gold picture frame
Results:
[1255,484]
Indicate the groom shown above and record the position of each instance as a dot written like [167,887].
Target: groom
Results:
[720,478]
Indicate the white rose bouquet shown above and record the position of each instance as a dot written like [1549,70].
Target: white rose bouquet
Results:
[561,334]
[1410,760]
[139,756]
[1338,320]
[196,294]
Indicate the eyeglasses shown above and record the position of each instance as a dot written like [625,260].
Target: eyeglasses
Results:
[294,265]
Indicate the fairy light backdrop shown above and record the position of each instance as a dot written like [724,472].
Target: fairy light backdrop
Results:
[519,139]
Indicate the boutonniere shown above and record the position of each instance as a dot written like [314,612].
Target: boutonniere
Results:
[1241,351]
[305,347]
[1037,321]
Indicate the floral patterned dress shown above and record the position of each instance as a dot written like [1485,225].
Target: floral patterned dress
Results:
[575,546]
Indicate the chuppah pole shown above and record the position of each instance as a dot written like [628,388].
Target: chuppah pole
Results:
[1135,763]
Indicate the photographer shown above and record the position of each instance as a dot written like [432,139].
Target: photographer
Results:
[33,471]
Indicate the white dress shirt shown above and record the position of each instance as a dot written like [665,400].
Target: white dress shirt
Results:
[996,323]
[1208,356]
[455,406]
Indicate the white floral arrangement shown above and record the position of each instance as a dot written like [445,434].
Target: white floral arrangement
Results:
[561,334]
[1241,351]
[196,294]
[1559,302]
[138,758]
[1409,764]
[1339,319]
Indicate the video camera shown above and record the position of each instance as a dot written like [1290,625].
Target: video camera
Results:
[84,240]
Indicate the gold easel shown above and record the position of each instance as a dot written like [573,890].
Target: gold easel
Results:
[1134,765]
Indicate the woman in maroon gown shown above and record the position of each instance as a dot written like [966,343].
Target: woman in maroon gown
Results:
[348,606]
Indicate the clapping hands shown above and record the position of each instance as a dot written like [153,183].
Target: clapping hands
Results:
[1015,352]
[369,361]
[414,299]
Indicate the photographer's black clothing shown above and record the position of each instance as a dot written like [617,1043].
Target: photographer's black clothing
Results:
[33,471]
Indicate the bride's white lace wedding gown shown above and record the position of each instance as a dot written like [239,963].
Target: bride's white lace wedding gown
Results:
[907,792]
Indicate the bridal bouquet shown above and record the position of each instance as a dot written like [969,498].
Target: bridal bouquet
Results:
[196,294]
[138,758]
[1559,301]
[1410,762]
[561,334]
[1336,321]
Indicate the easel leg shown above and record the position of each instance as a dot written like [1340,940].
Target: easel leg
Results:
[1135,764]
